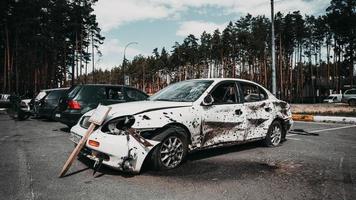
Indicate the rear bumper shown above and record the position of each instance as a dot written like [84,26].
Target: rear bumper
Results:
[69,118]
[45,112]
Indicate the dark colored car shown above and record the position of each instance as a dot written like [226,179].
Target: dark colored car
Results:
[47,106]
[82,98]
[38,103]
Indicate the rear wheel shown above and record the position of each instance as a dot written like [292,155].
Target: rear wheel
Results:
[274,134]
[172,149]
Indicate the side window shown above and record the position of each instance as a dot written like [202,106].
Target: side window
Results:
[252,92]
[92,93]
[136,95]
[225,93]
[115,93]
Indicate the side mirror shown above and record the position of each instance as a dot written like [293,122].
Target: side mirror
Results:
[208,100]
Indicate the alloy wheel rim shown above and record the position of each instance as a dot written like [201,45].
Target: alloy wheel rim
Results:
[171,152]
[276,135]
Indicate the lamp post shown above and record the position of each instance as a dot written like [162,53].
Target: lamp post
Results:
[274,84]
[124,61]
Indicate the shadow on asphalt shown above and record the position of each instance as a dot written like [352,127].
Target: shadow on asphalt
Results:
[103,170]
[198,167]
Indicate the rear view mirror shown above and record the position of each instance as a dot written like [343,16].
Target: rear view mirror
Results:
[208,100]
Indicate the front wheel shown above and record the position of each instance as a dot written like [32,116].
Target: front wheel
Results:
[274,134]
[172,149]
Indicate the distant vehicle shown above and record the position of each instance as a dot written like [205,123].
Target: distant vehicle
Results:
[4,100]
[37,102]
[47,101]
[349,97]
[19,108]
[333,98]
[83,98]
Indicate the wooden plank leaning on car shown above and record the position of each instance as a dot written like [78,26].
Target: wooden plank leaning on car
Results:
[96,119]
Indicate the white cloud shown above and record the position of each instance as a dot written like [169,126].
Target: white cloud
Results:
[113,13]
[198,27]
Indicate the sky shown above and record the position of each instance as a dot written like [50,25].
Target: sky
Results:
[160,23]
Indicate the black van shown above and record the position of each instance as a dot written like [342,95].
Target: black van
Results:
[82,98]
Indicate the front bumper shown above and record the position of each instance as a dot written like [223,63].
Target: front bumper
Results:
[121,152]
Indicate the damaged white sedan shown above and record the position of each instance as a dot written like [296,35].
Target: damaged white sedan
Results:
[184,117]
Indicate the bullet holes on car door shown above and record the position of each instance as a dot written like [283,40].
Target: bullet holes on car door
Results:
[223,121]
[259,114]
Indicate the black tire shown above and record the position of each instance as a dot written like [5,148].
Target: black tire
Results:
[352,102]
[273,138]
[176,155]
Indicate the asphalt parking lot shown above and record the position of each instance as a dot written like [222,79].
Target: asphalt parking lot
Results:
[319,164]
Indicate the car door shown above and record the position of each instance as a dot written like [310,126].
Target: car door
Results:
[224,120]
[259,111]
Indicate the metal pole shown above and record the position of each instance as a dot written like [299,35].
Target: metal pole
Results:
[274,85]
[92,54]
[124,61]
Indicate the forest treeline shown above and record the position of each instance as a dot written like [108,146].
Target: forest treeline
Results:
[314,54]
[43,41]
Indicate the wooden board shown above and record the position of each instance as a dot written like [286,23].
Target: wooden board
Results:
[97,120]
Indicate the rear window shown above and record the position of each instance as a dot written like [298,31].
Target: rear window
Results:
[252,92]
[56,94]
[73,91]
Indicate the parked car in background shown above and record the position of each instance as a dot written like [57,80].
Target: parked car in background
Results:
[83,98]
[4,100]
[37,102]
[333,98]
[184,117]
[349,97]
[45,107]
[19,108]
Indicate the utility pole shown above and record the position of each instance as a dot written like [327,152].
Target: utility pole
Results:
[124,61]
[92,54]
[274,86]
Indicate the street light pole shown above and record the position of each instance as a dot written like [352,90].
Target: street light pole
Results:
[274,86]
[124,61]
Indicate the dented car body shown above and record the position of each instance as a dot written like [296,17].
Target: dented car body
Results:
[184,117]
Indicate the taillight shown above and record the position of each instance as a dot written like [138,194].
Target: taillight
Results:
[75,105]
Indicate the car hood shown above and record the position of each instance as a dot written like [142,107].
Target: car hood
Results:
[138,107]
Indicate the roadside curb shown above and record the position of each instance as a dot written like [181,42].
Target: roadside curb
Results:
[334,119]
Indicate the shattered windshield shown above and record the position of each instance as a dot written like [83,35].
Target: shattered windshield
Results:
[185,91]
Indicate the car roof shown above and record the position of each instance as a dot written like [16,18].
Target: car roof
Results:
[54,89]
[107,85]
[224,79]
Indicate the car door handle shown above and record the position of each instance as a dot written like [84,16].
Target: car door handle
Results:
[238,112]
[268,109]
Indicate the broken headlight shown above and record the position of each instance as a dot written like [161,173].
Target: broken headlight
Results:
[118,126]
[85,122]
